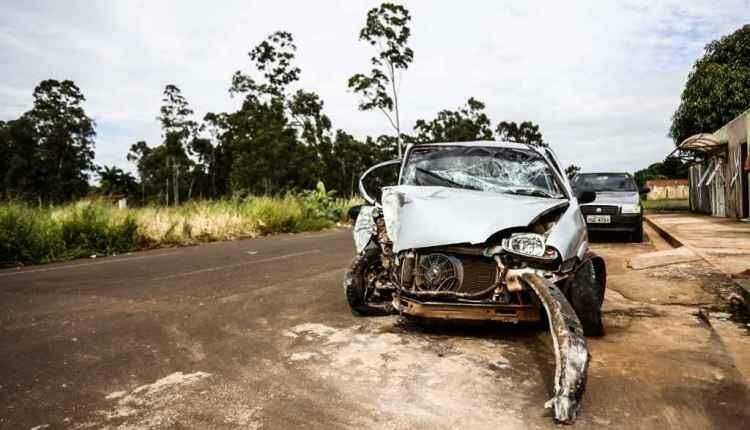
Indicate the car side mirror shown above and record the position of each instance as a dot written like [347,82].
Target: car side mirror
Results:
[644,190]
[353,212]
[586,197]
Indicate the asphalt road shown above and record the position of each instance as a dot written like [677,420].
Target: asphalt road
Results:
[256,334]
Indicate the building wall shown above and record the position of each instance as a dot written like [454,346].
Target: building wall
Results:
[728,194]
[670,192]
[668,189]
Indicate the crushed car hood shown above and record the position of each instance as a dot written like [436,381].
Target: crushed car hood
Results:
[424,216]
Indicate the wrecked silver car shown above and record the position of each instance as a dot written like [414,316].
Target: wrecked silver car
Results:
[483,231]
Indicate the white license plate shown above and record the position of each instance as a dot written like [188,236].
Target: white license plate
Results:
[598,219]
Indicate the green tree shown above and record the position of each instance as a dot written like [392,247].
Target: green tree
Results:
[113,180]
[153,170]
[19,158]
[525,132]
[262,134]
[717,88]
[464,124]
[386,29]
[571,171]
[670,168]
[178,128]
[47,153]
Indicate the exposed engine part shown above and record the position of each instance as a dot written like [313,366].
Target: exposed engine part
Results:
[571,355]
[407,269]
[439,272]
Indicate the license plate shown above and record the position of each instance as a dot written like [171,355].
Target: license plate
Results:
[598,219]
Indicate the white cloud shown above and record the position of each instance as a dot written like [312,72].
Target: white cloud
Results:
[601,78]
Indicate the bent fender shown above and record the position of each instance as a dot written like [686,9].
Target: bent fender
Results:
[571,355]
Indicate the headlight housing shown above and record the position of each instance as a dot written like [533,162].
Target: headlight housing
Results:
[529,244]
[630,209]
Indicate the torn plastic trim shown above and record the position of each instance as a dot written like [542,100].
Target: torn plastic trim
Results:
[571,355]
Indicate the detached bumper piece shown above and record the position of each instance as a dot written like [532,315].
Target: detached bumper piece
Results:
[571,355]
[467,311]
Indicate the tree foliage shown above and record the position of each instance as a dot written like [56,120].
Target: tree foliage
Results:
[115,181]
[278,139]
[467,123]
[717,88]
[670,168]
[387,30]
[167,170]
[49,150]
[525,132]
[572,170]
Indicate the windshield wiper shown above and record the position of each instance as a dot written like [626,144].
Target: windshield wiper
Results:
[531,192]
[446,180]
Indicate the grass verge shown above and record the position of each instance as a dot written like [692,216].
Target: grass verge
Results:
[30,235]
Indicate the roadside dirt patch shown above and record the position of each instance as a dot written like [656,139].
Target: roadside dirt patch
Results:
[148,406]
[415,377]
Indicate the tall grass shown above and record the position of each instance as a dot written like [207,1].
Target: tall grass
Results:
[667,205]
[40,235]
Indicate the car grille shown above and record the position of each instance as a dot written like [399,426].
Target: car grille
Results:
[455,272]
[479,273]
[605,210]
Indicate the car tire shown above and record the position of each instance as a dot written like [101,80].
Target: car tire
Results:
[586,295]
[355,285]
[637,235]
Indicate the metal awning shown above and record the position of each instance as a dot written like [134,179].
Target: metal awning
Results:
[702,142]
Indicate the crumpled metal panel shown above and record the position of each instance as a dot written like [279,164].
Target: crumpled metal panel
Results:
[423,216]
[364,228]
[569,236]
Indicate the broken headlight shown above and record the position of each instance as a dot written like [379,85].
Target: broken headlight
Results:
[525,250]
[530,244]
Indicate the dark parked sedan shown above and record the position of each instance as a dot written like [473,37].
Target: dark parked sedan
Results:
[617,207]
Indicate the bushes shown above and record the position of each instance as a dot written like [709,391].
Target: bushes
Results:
[40,235]
[29,235]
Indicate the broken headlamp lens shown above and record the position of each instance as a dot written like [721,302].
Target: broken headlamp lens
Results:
[530,244]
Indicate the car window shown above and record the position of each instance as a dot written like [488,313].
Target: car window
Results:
[501,170]
[604,182]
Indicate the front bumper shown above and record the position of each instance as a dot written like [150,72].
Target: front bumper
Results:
[625,223]
[468,311]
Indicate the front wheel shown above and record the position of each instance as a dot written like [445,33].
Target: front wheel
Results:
[359,285]
[586,294]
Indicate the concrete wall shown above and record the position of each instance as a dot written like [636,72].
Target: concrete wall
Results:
[661,189]
[662,192]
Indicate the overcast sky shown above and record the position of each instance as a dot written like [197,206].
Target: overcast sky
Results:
[601,78]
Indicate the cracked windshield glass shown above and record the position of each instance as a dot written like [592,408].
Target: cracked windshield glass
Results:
[499,170]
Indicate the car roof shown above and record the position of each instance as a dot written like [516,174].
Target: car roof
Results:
[492,143]
[604,173]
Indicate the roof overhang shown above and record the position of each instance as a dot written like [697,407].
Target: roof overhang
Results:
[702,142]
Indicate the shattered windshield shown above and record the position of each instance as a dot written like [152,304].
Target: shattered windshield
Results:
[500,170]
[604,182]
